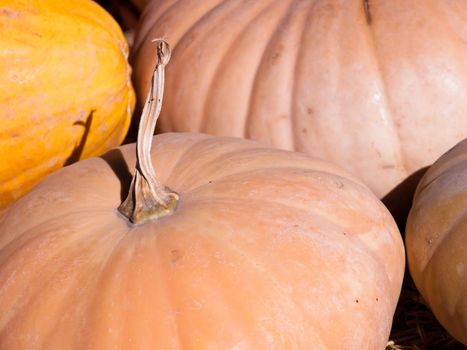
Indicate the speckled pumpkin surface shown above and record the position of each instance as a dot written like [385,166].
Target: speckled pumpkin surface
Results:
[65,90]
[267,249]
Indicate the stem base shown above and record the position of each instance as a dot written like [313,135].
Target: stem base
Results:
[143,204]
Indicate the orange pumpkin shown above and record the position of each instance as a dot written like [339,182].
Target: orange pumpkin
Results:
[367,84]
[436,239]
[257,248]
[65,90]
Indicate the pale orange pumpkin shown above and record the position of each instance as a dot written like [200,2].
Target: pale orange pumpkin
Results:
[65,88]
[259,249]
[140,4]
[379,87]
[436,239]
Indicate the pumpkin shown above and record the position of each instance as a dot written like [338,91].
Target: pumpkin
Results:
[236,246]
[65,89]
[436,239]
[366,84]
[140,4]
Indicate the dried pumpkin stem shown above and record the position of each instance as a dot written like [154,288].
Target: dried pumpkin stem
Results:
[147,199]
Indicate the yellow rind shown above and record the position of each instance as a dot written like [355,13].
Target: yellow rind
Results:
[60,63]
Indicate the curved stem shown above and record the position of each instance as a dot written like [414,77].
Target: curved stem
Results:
[147,199]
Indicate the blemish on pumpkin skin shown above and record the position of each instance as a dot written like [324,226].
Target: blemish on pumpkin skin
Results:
[431,240]
[389,166]
[10,13]
[191,37]
[366,7]
[277,53]
[378,152]
[460,268]
[176,255]
[339,184]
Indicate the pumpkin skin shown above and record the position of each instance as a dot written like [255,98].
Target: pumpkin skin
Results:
[140,4]
[266,249]
[436,239]
[369,90]
[65,89]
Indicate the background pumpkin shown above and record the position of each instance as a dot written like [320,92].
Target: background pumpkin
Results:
[65,90]
[436,239]
[380,87]
[140,4]
[265,249]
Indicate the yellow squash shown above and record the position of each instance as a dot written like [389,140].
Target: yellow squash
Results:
[65,89]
